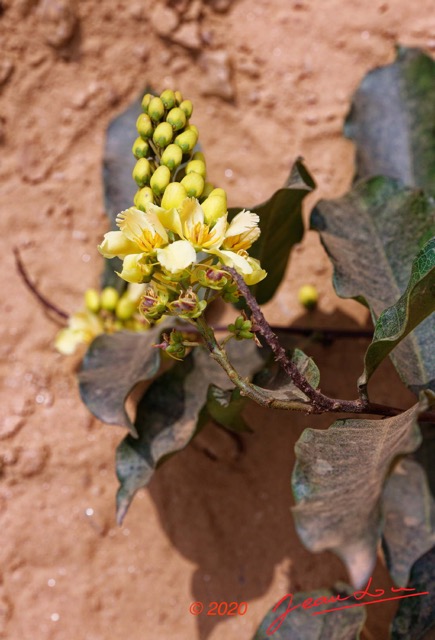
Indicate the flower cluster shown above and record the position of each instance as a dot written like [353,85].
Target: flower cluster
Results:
[178,238]
[104,312]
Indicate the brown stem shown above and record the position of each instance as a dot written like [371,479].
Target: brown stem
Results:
[32,287]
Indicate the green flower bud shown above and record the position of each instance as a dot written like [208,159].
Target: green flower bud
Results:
[172,156]
[160,179]
[144,126]
[178,98]
[241,328]
[142,172]
[140,148]
[214,207]
[188,305]
[191,127]
[125,308]
[156,109]
[198,155]
[143,197]
[92,300]
[168,98]
[208,188]
[230,293]
[187,107]
[153,304]
[194,184]
[109,298]
[174,195]
[163,134]
[308,296]
[146,100]
[176,118]
[186,141]
[196,166]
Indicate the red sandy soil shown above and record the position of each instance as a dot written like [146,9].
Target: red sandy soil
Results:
[270,80]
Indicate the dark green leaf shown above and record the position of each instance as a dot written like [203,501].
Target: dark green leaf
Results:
[171,412]
[119,186]
[281,228]
[301,624]
[392,121]
[409,515]
[416,615]
[112,367]
[338,481]
[410,310]
[372,236]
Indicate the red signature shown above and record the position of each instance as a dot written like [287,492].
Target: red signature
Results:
[311,603]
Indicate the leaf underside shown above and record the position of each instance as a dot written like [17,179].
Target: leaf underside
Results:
[301,624]
[171,411]
[409,519]
[372,235]
[392,121]
[112,367]
[337,483]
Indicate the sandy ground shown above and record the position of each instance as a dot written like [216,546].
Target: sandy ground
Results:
[270,80]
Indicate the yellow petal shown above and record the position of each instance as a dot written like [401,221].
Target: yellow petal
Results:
[234,260]
[170,219]
[243,221]
[191,212]
[134,268]
[257,274]
[177,256]
[115,243]
[134,223]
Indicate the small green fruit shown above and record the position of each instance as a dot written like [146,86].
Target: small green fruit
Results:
[308,296]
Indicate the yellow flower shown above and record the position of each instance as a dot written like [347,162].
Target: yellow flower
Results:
[82,328]
[242,232]
[143,228]
[116,244]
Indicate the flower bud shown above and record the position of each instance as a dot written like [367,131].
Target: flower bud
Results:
[208,188]
[176,118]
[172,156]
[214,207]
[174,195]
[194,184]
[168,99]
[144,126]
[192,127]
[212,278]
[230,292]
[178,98]
[219,192]
[142,172]
[198,155]
[143,197]
[146,100]
[308,296]
[92,300]
[140,148]
[160,179]
[153,304]
[109,298]
[186,141]
[188,305]
[156,109]
[125,308]
[187,107]
[197,166]
[163,134]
